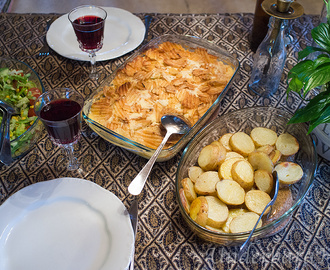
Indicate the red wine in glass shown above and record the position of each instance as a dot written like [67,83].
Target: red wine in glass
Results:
[56,112]
[88,24]
[89,31]
[60,110]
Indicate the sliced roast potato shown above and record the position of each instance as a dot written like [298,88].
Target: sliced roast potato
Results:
[289,172]
[263,136]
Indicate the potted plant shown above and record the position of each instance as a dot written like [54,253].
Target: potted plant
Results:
[310,73]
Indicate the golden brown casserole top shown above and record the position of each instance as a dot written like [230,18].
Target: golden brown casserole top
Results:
[166,79]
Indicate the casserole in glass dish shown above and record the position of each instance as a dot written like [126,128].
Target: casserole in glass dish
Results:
[95,108]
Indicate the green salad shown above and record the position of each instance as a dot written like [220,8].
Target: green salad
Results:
[17,90]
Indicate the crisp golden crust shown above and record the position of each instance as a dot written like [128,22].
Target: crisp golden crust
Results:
[166,79]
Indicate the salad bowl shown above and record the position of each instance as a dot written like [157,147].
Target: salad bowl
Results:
[19,86]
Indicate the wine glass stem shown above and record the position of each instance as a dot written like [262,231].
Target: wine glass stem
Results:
[73,162]
[93,72]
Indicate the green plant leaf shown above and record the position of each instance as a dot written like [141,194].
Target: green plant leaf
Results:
[323,118]
[313,109]
[294,85]
[321,35]
[310,73]
[318,77]
[308,50]
[301,70]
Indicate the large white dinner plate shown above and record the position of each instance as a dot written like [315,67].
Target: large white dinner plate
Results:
[66,224]
[123,32]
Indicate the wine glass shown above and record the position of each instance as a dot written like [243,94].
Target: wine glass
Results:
[60,111]
[88,25]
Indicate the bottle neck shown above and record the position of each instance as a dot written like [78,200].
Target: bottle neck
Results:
[277,23]
[276,30]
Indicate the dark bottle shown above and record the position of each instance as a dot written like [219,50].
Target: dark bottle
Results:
[260,26]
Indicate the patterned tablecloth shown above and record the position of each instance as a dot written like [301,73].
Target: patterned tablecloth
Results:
[163,239]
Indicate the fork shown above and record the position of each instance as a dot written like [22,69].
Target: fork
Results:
[5,149]
[133,212]
[45,50]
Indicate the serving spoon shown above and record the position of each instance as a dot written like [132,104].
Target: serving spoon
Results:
[173,125]
[247,241]
[5,151]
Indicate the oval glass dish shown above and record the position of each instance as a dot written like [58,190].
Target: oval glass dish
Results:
[22,144]
[142,150]
[245,120]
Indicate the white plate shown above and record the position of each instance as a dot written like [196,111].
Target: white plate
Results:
[67,224]
[123,32]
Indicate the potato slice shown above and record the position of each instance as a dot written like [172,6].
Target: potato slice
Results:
[184,201]
[256,201]
[230,192]
[232,154]
[211,156]
[263,136]
[214,229]
[216,143]
[287,144]
[226,166]
[189,189]
[234,212]
[275,156]
[199,210]
[244,222]
[263,180]
[205,183]
[266,149]
[242,172]
[224,140]
[241,143]
[218,212]
[194,172]
[289,172]
[260,160]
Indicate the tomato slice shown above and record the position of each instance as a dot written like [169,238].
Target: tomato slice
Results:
[35,93]
[31,112]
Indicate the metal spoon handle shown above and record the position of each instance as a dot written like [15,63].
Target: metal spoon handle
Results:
[245,244]
[247,241]
[138,182]
[5,152]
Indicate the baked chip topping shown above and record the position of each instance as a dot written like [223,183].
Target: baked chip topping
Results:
[166,79]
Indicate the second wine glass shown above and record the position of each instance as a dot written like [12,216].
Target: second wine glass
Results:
[60,111]
[88,24]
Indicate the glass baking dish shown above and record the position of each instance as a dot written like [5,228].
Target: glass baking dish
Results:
[188,42]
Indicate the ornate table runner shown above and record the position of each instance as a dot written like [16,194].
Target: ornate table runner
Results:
[163,239]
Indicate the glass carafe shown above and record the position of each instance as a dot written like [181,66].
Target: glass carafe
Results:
[269,59]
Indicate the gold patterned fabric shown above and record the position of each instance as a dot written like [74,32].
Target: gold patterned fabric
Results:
[163,239]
